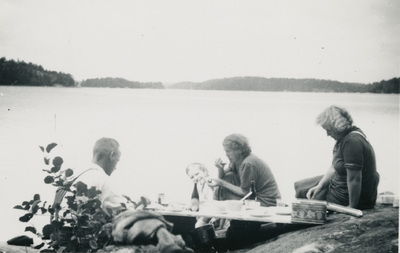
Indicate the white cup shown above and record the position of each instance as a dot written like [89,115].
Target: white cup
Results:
[280,203]
[251,204]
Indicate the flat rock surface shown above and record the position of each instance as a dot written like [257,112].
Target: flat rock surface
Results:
[377,231]
[5,248]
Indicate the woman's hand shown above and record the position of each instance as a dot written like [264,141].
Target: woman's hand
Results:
[214,182]
[314,191]
[219,163]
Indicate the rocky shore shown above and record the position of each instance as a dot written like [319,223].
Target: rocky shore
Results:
[376,231]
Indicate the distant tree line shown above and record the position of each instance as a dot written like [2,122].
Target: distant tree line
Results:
[389,86]
[28,74]
[119,83]
[287,84]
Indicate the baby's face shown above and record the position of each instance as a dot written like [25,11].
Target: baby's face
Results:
[196,175]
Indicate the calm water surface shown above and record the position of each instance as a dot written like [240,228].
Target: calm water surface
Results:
[161,131]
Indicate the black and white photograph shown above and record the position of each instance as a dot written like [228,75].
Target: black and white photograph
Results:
[199,126]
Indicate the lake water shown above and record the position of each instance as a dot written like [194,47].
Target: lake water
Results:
[161,131]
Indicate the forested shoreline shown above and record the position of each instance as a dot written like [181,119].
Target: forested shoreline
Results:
[290,84]
[119,83]
[19,73]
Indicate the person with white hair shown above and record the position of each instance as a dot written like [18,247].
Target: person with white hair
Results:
[352,179]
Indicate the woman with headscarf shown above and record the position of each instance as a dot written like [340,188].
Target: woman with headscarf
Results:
[244,167]
[352,179]
[235,183]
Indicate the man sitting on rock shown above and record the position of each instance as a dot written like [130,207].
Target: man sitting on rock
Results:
[131,225]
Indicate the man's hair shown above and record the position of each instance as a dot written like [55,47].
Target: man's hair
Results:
[238,142]
[103,147]
[336,117]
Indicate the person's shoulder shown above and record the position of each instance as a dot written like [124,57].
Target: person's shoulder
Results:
[354,137]
[252,158]
[254,161]
[90,172]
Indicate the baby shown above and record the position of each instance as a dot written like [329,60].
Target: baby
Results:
[198,173]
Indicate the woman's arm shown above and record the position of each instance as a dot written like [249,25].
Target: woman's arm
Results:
[326,178]
[353,157]
[354,178]
[323,183]
[219,182]
[220,165]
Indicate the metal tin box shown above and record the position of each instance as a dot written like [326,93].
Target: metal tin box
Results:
[309,211]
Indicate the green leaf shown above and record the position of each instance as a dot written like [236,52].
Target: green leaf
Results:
[26,217]
[61,249]
[92,192]
[32,229]
[81,189]
[93,244]
[51,209]
[69,172]
[48,180]
[59,182]
[19,207]
[66,213]
[42,148]
[55,169]
[57,224]
[70,221]
[46,161]
[47,251]
[58,161]
[35,208]
[50,147]
[39,246]
[71,203]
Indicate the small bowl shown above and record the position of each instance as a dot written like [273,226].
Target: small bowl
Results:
[251,204]
[233,205]
[176,207]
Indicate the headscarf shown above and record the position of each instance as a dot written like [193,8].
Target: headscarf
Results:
[238,142]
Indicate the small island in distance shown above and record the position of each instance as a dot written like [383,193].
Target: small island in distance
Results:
[19,73]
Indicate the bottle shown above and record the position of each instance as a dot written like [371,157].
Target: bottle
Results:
[161,199]
[253,195]
[195,200]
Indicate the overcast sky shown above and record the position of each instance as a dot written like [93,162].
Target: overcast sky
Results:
[173,41]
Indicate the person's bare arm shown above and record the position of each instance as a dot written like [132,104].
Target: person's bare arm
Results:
[220,165]
[354,178]
[323,183]
[214,182]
